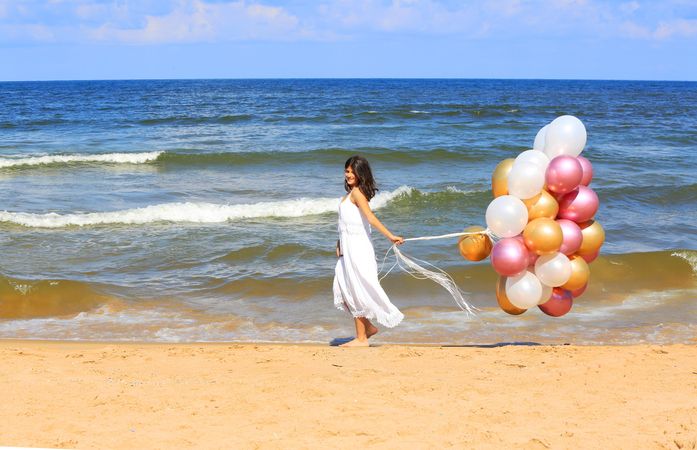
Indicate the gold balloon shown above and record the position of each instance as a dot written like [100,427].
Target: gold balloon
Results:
[543,236]
[593,237]
[499,179]
[475,247]
[504,303]
[579,273]
[542,205]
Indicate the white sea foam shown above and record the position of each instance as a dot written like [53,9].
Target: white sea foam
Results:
[457,190]
[690,257]
[193,212]
[114,158]
[158,325]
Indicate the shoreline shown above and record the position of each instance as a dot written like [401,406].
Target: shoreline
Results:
[92,394]
[330,344]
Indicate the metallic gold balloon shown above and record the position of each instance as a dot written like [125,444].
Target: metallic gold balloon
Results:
[593,237]
[504,303]
[543,236]
[475,247]
[579,273]
[499,179]
[542,205]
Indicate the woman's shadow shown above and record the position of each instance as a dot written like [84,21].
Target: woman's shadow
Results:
[342,340]
[338,341]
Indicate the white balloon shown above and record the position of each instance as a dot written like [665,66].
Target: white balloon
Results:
[546,293]
[540,139]
[553,270]
[524,290]
[525,180]
[566,135]
[506,216]
[533,156]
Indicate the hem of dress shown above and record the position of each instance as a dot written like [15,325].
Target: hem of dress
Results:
[387,320]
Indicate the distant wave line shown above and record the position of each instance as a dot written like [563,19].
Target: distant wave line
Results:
[245,157]
[116,158]
[329,155]
[192,212]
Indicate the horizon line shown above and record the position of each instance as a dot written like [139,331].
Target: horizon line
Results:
[344,78]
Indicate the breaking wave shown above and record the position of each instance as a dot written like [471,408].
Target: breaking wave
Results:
[193,212]
[112,158]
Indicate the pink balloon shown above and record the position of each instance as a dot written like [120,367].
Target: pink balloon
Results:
[590,257]
[579,205]
[579,292]
[532,256]
[558,304]
[571,236]
[587,170]
[509,257]
[556,196]
[564,174]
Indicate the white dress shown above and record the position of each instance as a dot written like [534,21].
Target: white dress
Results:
[356,285]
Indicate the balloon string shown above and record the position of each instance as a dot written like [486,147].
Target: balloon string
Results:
[487,232]
[409,265]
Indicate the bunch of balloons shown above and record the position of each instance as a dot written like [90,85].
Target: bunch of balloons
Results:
[542,213]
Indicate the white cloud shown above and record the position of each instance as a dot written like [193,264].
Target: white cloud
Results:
[505,7]
[629,7]
[634,30]
[679,28]
[91,11]
[664,30]
[396,16]
[179,21]
[31,32]
[198,21]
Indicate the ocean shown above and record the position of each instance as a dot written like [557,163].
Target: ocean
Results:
[205,210]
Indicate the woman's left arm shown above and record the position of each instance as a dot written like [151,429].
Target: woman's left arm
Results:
[362,203]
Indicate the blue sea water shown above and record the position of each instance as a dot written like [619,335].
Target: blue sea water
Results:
[206,209]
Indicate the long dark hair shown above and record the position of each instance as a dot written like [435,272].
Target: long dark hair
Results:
[361,169]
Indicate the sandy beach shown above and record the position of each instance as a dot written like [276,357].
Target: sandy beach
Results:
[123,395]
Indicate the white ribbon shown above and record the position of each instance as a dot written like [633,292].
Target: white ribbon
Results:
[409,265]
[445,236]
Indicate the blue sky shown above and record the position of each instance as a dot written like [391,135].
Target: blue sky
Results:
[588,39]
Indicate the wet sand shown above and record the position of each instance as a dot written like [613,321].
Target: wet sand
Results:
[123,395]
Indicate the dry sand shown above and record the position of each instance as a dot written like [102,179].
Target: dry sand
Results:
[114,395]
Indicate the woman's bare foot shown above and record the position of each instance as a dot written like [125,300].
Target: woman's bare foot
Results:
[371,331]
[356,343]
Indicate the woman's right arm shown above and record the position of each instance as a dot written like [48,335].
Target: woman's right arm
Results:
[338,248]
[362,203]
